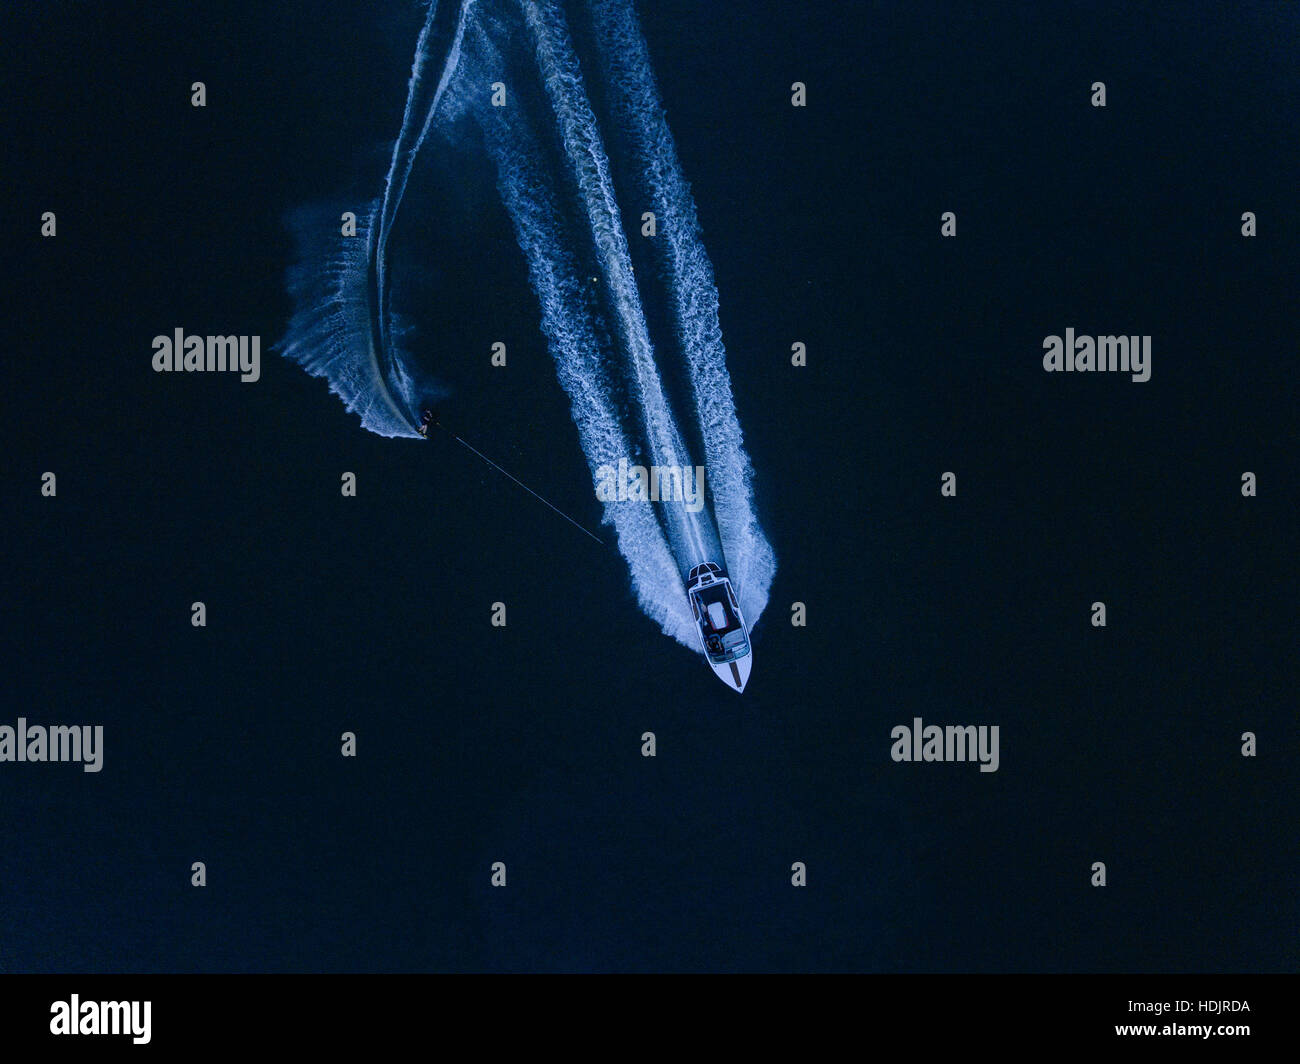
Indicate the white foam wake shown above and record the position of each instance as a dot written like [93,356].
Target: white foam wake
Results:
[629,80]
[343,326]
[577,343]
[565,211]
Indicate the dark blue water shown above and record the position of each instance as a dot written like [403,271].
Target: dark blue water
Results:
[522,745]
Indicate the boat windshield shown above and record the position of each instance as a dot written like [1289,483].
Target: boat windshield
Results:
[716,613]
[724,635]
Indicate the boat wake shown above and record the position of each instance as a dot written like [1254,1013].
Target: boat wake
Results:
[640,355]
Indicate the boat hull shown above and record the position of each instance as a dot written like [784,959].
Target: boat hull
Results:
[735,674]
[720,624]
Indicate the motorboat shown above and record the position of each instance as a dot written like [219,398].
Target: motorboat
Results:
[723,636]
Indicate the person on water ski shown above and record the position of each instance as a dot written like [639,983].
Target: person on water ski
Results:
[426,419]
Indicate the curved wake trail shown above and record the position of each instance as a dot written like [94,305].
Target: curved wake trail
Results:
[567,220]
[424,93]
[343,327]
